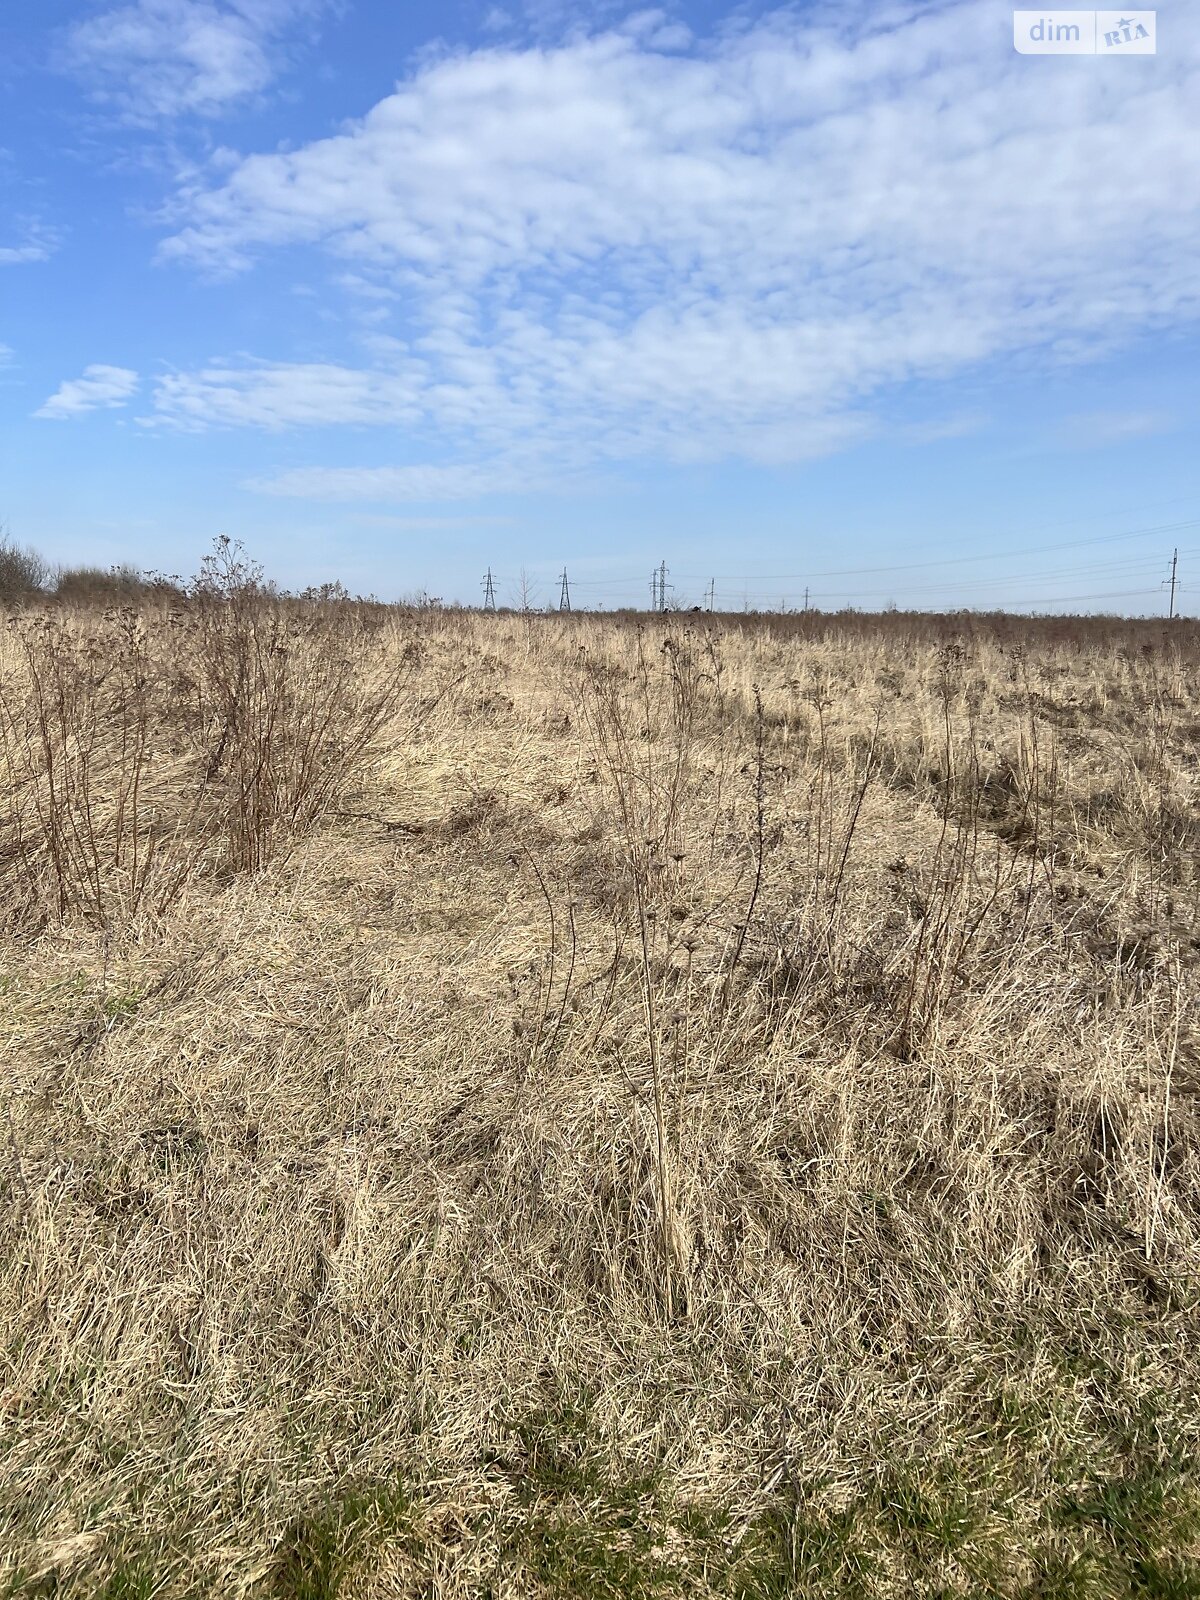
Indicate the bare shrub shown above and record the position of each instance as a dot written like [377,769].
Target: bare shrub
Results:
[137,740]
[290,693]
[100,586]
[78,727]
[24,574]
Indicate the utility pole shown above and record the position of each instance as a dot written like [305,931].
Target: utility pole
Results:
[489,596]
[806,597]
[654,590]
[564,595]
[660,582]
[1174,565]
[712,593]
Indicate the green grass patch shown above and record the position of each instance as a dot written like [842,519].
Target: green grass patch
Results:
[322,1547]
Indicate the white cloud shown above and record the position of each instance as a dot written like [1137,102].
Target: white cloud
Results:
[100,387]
[415,524]
[657,30]
[13,255]
[1095,429]
[609,250]
[37,244]
[163,58]
[294,394]
[391,484]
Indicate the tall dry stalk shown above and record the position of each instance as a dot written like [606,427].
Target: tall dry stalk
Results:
[643,725]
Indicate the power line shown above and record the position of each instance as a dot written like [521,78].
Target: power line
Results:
[623,584]
[961,593]
[633,583]
[1012,605]
[1139,568]
[630,584]
[1132,570]
[953,561]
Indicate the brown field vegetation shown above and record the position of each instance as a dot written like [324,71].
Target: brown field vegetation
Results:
[565,1106]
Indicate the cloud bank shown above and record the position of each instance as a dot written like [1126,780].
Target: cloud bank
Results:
[632,245]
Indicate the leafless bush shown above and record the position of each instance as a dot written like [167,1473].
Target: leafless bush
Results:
[101,586]
[24,574]
[290,694]
[136,739]
[90,806]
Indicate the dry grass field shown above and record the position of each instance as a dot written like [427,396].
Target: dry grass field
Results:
[574,1106]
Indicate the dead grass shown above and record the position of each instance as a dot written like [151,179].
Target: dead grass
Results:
[669,1111]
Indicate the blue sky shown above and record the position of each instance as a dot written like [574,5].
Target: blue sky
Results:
[852,296]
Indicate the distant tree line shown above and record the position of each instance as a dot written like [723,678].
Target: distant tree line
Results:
[26,576]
